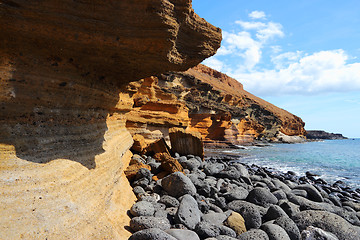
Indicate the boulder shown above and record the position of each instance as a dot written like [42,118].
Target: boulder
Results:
[142,208]
[177,185]
[145,222]
[275,232]
[188,212]
[248,211]
[262,197]
[311,233]
[139,144]
[186,142]
[327,221]
[183,234]
[289,226]
[236,222]
[168,163]
[313,193]
[253,234]
[153,234]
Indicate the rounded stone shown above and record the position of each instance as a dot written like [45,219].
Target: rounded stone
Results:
[214,218]
[313,193]
[206,230]
[142,208]
[262,197]
[327,221]
[183,234]
[275,232]
[249,212]
[289,226]
[169,201]
[274,212]
[177,185]
[236,222]
[145,222]
[151,233]
[317,233]
[254,234]
[188,212]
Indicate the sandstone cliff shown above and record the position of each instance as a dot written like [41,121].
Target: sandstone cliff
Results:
[64,67]
[222,111]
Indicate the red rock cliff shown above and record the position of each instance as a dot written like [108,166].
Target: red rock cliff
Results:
[63,102]
[222,111]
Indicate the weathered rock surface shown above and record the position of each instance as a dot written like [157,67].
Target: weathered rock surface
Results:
[64,67]
[223,112]
[327,221]
[186,142]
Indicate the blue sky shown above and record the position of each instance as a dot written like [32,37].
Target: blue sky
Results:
[303,56]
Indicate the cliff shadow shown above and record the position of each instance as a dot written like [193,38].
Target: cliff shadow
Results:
[55,110]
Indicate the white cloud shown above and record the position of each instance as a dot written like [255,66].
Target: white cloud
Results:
[270,31]
[257,15]
[284,59]
[214,63]
[251,25]
[324,71]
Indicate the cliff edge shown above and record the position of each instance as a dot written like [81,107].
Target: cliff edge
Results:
[64,67]
[222,111]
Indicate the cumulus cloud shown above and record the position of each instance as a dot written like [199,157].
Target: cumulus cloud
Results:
[286,72]
[324,71]
[257,15]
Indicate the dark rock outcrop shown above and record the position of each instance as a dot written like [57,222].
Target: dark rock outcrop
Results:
[319,134]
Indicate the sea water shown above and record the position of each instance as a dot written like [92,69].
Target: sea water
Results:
[332,160]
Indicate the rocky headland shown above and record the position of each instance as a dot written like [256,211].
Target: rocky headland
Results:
[204,100]
[322,135]
[83,82]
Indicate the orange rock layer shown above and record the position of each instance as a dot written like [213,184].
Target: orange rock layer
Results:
[207,101]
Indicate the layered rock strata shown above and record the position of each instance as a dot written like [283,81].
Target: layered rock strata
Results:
[222,111]
[64,145]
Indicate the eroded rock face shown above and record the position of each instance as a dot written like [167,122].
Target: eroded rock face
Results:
[64,66]
[222,111]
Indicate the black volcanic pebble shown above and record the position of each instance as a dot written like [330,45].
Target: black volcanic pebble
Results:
[145,222]
[290,208]
[153,234]
[212,169]
[183,234]
[223,237]
[327,221]
[262,197]
[279,194]
[169,201]
[214,218]
[313,193]
[289,226]
[254,234]
[142,208]
[275,232]
[274,212]
[206,230]
[177,185]
[248,211]
[236,193]
[188,212]
[224,230]
[191,164]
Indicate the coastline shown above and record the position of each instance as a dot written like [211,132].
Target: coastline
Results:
[219,188]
